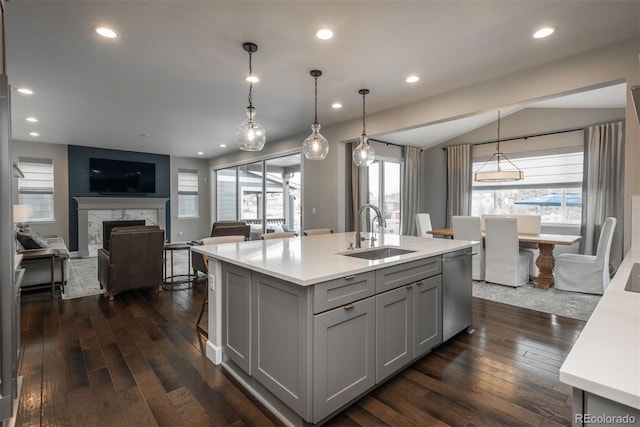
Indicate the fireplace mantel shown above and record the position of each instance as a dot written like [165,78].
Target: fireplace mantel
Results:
[86,204]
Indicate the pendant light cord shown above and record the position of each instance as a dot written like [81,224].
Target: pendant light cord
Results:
[250,82]
[315,121]
[364,126]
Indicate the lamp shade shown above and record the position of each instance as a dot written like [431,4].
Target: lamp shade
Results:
[22,213]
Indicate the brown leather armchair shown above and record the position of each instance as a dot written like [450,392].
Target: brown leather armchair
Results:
[134,259]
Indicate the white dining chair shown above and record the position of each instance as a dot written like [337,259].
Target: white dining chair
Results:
[505,263]
[530,224]
[587,273]
[423,224]
[468,228]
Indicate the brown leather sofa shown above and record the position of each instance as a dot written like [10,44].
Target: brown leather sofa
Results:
[221,228]
[134,259]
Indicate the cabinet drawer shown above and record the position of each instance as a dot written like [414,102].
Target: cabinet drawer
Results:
[404,274]
[345,290]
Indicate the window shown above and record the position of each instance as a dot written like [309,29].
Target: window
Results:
[384,191]
[264,194]
[552,188]
[36,188]
[187,194]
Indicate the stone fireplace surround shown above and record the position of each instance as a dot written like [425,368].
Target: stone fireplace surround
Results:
[93,210]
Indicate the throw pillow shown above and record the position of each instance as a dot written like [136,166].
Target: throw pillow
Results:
[31,240]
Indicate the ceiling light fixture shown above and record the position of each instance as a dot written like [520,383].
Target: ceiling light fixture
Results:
[250,135]
[544,32]
[412,79]
[223,145]
[324,34]
[363,154]
[498,175]
[25,91]
[107,33]
[31,119]
[336,105]
[316,146]
[34,134]
[200,153]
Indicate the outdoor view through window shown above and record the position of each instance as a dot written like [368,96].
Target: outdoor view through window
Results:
[552,188]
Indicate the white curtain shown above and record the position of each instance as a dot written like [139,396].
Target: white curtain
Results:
[603,187]
[458,181]
[411,190]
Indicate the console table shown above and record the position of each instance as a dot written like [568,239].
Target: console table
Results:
[46,253]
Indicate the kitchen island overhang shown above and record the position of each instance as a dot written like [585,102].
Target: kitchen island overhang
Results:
[308,328]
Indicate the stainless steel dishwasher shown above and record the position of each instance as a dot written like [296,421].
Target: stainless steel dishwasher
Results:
[456,292]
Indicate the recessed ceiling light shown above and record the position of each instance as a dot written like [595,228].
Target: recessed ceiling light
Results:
[31,119]
[252,79]
[200,153]
[336,105]
[412,79]
[34,134]
[324,34]
[544,32]
[223,145]
[107,33]
[25,91]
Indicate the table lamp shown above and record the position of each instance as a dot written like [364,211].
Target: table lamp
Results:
[21,214]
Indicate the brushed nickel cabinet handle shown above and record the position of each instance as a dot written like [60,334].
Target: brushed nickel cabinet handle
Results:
[350,277]
[348,306]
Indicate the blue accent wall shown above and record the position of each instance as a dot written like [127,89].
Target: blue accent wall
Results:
[79,180]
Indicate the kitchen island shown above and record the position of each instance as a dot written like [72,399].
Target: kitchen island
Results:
[308,326]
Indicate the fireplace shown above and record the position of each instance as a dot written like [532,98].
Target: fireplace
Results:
[107,226]
[93,211]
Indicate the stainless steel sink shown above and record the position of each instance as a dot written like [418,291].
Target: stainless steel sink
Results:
[377,253]
[633,284]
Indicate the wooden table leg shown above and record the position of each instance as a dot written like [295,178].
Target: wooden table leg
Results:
[545,263]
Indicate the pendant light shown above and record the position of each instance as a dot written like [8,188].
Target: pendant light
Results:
[316,146]
[250,135]
[498,175]
[363,154]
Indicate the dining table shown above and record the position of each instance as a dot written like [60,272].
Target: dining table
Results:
[546,242]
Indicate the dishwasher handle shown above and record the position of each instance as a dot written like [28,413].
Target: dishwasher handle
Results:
[455,255]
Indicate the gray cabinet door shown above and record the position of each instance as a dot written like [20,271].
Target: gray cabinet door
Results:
[394,330]
[281,341]
[428,314]
[344,356]
[236,312]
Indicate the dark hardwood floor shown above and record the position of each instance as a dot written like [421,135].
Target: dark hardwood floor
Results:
[139,361]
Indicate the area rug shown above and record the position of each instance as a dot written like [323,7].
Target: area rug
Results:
[83,275]
[568,304]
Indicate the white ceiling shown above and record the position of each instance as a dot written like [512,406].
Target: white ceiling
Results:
[176,73]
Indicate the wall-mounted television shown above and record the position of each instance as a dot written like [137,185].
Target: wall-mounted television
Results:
[121,177]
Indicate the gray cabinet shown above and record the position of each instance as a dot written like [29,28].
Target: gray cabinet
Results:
[428,314]
[344,356]
[394,330]
[236,315]
[280,341]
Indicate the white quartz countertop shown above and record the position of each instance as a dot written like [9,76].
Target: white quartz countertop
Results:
[605,360]
[313,259]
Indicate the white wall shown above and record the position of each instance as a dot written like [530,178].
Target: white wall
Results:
[188,229]
[58,153]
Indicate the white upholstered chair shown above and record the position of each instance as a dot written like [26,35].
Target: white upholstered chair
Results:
[468,228]
[587,273]
[277,235]
[505,263]
[316,231]
[530,224]
[423,224]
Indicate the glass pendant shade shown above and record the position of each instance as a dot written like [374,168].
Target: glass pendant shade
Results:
[363,154]
[250,135]
[316,146]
